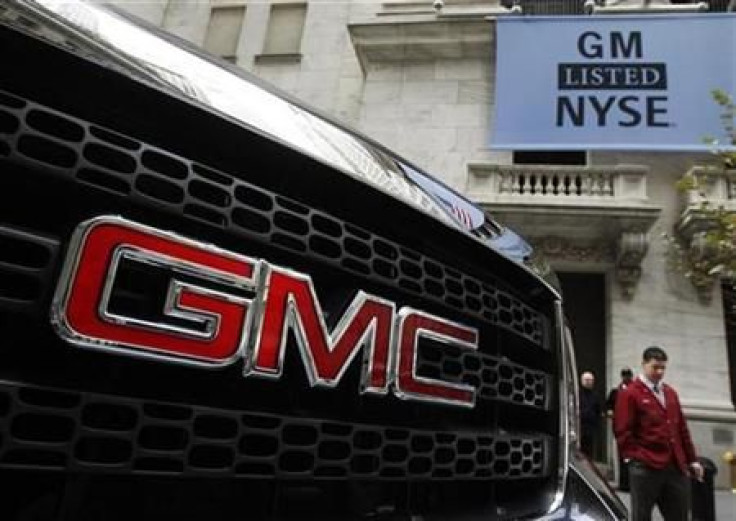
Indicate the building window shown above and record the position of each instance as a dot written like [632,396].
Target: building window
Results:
[285,28]
[223,31]
[550,157]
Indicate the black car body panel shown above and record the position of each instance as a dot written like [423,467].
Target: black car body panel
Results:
[85,132]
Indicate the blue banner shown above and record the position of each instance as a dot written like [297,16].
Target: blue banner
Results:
[639,82]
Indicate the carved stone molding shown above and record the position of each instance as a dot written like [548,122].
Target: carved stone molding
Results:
[691,230]
[713,188]
[701,248]
[626,253]
[631,248]
[421,39]
[566,249]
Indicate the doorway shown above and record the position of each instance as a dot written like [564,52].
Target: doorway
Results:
[728,290]
[585,307]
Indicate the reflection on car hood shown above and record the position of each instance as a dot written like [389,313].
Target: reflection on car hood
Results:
[512,245]
[116,40]
[112,38]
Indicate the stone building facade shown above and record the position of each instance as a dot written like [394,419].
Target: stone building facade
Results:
[418,77]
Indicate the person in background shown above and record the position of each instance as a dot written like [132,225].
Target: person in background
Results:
[590,414]
[653,438]
[627,375]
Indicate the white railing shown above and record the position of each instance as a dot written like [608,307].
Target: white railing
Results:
[715,186]
[545,183]
[536,184]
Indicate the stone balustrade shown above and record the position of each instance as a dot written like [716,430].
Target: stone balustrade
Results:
[563,185]
[713,185]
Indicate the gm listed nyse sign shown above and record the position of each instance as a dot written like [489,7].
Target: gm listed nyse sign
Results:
[611,82]
[626,110]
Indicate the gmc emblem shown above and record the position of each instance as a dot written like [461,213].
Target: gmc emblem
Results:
[215,328]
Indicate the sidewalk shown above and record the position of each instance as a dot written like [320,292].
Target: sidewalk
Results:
[725,505]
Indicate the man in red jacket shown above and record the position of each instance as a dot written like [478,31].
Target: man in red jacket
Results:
[653,437]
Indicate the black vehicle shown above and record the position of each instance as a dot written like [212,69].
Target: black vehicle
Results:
[217,304]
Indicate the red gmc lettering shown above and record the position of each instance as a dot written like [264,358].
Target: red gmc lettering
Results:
[413,325]
[225,327]
[289,301]
[102,245]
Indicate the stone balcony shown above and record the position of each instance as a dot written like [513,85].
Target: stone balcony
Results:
[620,185]
[714,185]
[598,215]
[422,38]
[416,30]
[711,189]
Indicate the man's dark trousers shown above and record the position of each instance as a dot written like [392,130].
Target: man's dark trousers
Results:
[668,488]
[623,475]
[587,437]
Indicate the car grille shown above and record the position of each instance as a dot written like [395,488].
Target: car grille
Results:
[29,263]
[26,264]
[54,429]
[134,425]
[41,137]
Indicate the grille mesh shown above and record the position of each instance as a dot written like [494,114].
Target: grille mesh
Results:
[494,378]
[26,264]
[47,428]
[128,168]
